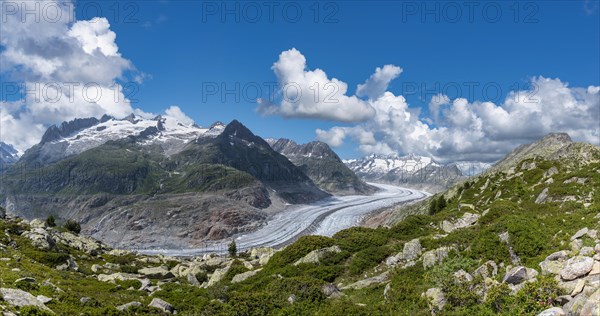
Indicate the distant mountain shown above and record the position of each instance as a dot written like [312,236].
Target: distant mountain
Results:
[74,137]
[8,155]
[411,171]
[544,147]
[133,182]
[322,165]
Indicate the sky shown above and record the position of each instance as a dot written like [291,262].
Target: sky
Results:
[457,81]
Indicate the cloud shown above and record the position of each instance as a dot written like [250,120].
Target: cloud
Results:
[176,113]
[378,83]
[64,69]
[311,94]
[477,131]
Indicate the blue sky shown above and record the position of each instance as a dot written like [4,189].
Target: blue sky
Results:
[180,46]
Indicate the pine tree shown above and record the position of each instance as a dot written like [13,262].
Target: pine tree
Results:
[232,248]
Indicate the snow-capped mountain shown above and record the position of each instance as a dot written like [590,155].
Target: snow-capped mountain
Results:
[79,135]
[382,164]
[412,171]
[8,154]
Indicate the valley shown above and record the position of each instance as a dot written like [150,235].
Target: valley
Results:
[325,217]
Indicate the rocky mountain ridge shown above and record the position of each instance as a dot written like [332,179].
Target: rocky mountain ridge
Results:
[322,165]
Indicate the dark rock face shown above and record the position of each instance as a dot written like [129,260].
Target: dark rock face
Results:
[67,128]
[323,166]
[8,155]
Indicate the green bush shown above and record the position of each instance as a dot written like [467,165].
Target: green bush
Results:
[368,258]
[358,238]
[73,226]
[51,221]
[299,249]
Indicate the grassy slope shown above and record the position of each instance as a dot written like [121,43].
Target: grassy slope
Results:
[536,230]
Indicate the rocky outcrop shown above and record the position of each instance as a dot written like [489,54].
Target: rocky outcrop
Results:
[316,255]
[466,220]
[436,299]
[519,274]
[20,298]
[576,267]
[381,278]
[162,305]
[436,256]
[243,276]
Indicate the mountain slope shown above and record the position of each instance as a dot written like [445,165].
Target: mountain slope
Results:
[411,171]
[322,165]
[132,181]
[8,155]
[494,248]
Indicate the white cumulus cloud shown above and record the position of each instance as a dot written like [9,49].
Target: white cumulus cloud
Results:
[378,83]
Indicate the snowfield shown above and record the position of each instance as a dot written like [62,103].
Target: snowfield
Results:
[325,217]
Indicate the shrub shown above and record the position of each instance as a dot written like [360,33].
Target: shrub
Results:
[358,238]
[50,221]
[232,249]
[299,249]
[73,226]
[367,258]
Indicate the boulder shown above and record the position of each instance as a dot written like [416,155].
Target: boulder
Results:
[576,267]
[217,276]
[192,280]
[541,198]
[435,299]
[160,272]
[592,305]
[578,287]
[580,233]
[118,276]
[466,220]
[38,223]
[576,245]
[162,305]
[316,255]
[40,238]
[126,306]
[574,306]
[412,250]
[586,251]
[488,269]
[461,276]
[519,274]
[83,243]
[554,311]
[551,267]
[20,298]
[243,276]
[595,268]
[263,254]
[331,291]
[384,277]
[433,257]
[559,255]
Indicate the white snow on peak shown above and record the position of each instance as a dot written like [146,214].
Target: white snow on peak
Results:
[376,164]
[172,134]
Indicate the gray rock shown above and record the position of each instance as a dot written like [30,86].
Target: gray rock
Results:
[487,269]
[576,245]
[554,311]
[38,223]
[542,197]
[384,277]
[435,299]
[25,279]
[43,299]
[40,238]
[160,272]
[559,255]
[291,299]
[433,257]
[243,276]
[580,233]
[466,220]
[386,291]
[118,276]
[315,256]
[162,305]
[263,254]
[412,250]
[576,267]
[83,243]
[551,267]
[574,306]
[192,280]
[586,251]
[331,291]
[519,274]
[592,305]
[461,276]
[126,306]
[592,233]
[550,172]
[217,276]
[19,298]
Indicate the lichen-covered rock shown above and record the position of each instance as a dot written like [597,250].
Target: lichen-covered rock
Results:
[245,275]
[20,298]
[127,306]
[487,269]
[384,277]
[576,267]
[466,220]
[580,233]
[40,238]
[160,272]
[592,305]
[433,257]
[519,274]
[554,311]
[435,299]
[162,305]
[316,255]
[412,250]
